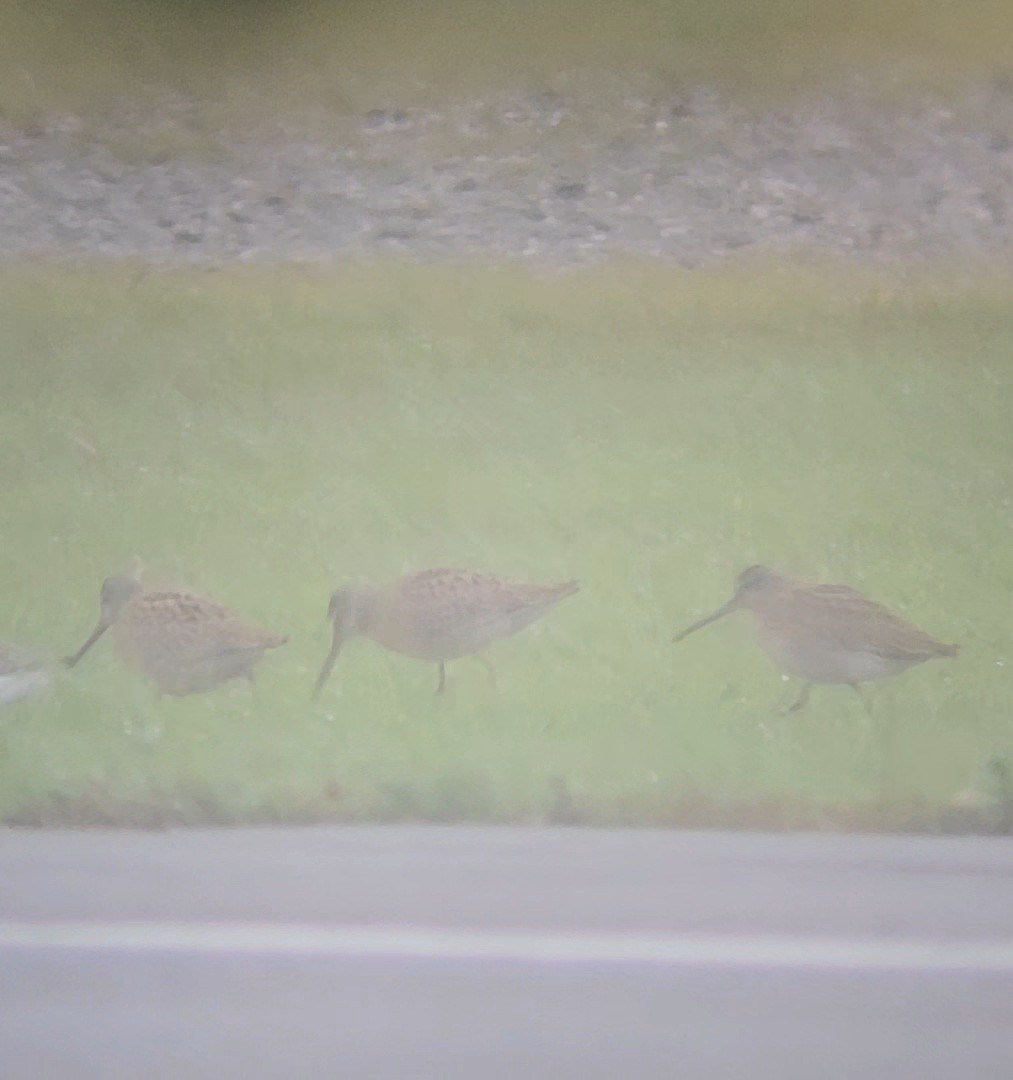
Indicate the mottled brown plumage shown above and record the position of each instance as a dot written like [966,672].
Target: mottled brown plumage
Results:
[826,633]
[438,615]
[181,642]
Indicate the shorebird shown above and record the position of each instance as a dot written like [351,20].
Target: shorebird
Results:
[181,642]
[23,672]
[438,615]
[825,633]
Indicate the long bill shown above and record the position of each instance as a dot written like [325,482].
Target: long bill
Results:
[336,643]
[725,609]
[99,630]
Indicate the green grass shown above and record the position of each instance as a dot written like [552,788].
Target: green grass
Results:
[266,435]
[256,63]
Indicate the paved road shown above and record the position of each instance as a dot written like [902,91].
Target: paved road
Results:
[474,952]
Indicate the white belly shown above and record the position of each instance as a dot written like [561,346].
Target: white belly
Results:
[21,684]
[815,661]
[428,636]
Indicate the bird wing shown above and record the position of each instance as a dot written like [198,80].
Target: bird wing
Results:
[203,626]
[850,621]
[475,593]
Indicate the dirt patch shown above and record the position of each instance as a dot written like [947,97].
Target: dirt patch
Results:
[458,800]
[687,178]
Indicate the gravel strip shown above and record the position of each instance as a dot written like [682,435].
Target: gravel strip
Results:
[532,177]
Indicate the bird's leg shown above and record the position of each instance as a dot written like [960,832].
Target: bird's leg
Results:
[487,664]
[865,701]
[443,679]
[249,682]
[801,700]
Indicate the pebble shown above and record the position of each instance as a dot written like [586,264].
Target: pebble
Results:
[833,176]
